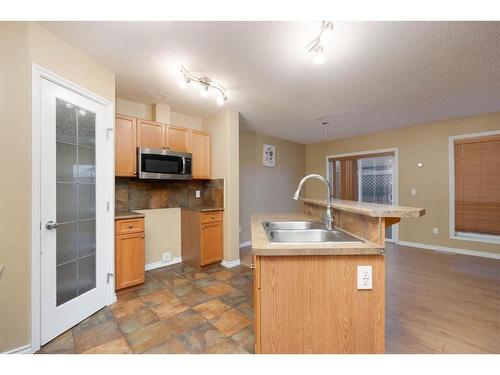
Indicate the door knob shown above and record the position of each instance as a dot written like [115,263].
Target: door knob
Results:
[51,225]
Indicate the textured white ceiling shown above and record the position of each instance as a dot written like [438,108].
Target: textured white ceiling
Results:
[377,75]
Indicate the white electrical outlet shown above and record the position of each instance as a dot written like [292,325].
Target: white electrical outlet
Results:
[166,256]
[413,191]
[364,277]
[435,230]
[198,194]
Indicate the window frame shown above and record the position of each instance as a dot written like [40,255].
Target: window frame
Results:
[464,236]
[391,150]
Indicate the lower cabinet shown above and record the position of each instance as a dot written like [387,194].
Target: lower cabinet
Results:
[129,253]
[202,237]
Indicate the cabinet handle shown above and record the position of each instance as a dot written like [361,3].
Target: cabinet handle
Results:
[213,217]
[142,236]
[130,226]
[252,266]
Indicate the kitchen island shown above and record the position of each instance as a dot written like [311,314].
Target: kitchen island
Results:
[307,297]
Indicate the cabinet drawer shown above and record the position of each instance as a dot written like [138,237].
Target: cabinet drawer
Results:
[129,226]
[212,216]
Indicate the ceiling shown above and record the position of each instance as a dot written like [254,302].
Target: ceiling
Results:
[376,76]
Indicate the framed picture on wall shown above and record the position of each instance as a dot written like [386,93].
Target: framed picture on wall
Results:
[269,155]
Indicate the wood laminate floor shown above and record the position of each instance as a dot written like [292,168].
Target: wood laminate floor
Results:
[435,303]
[441,303]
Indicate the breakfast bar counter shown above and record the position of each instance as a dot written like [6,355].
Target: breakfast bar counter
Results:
[321,296]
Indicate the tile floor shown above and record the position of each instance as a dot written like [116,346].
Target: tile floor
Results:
[177,310]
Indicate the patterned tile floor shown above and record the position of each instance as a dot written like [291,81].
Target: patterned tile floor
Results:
[177,310]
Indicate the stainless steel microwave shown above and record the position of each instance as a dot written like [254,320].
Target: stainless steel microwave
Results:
[159,164]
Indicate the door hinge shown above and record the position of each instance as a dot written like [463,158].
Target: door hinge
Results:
[107,132]
[110,275]
[107,206]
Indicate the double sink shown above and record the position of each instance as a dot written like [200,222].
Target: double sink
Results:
[298,232]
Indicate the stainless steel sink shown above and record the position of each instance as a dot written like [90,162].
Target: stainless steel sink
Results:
[292,225]
[297,232]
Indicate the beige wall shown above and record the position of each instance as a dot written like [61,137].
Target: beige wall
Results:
[14,185]
[160,113]
[263,189]
[186,121]
[158,238]
[21,44]
[424,143]
[133,109]
[224,127]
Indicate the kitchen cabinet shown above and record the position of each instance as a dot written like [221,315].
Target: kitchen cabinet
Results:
[201,237]
[129,252]
[131,133]
[177,138]
[289,289]
[200,146]
[150,134]
[125,146]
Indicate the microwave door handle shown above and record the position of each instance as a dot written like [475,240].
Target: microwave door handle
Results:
[183,165]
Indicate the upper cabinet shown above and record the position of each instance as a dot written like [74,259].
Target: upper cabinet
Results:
[177,138]
[131,133]
[150,134]
[125,146]
[200,147]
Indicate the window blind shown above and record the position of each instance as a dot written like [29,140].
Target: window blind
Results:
[477,185]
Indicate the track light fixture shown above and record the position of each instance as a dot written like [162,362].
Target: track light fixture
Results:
[316,47]
[206,86]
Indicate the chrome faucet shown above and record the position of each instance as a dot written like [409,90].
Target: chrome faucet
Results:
[329,197]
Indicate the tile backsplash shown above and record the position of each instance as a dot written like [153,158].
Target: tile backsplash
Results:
[133,194]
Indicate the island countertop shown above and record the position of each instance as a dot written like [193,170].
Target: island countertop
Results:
[262,247]
[369,209]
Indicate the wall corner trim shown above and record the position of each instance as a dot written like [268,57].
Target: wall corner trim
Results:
[245,244]
[230,263]
[154,265]
[451,250]
[26,349]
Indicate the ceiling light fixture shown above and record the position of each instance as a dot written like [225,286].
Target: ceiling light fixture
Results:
[206,85]
[316,46]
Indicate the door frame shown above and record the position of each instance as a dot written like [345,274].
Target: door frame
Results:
[37,74]
[394,150]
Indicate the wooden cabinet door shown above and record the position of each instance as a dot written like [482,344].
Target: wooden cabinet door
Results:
[177,138]
[211,243]
[129,260]
[125,146]
[150,134]
[200,145]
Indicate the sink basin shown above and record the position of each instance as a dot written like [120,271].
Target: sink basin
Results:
[292,225]
[310,235]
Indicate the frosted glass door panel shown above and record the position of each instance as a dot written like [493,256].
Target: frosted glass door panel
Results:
[75,201]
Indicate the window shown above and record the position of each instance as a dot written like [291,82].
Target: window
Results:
[476,187]
[364,177]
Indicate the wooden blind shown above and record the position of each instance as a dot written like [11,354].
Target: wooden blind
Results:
[477,185]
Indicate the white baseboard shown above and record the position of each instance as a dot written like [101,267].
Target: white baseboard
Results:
[451,250]
[230,263]
[26,349]
[152,266]
[245,244]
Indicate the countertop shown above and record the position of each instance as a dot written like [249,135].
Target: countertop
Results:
[120,215]
[369,209]
[203,209]
[262,247]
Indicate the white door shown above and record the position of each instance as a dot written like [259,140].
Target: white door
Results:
[73,239]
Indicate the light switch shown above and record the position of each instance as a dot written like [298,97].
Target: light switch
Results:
[413,191]
[198,194]
[435,230]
